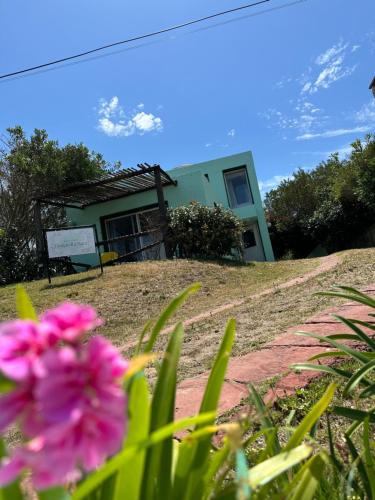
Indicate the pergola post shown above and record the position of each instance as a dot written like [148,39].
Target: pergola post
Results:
[39,237]
[162,211]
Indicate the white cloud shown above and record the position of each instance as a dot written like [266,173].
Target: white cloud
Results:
[232,132]
[333,133]
[272,183]
[114,122]
[355,48]
[332,68]
[208,144]
[367,113]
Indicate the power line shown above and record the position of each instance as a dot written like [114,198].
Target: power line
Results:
[136,38]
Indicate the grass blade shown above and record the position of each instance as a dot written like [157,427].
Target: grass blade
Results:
[268,470]
[25,308]
[168,312]
[358,376]
[354,414]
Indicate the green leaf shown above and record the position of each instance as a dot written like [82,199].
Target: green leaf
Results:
[322,368]
[309,420]
[353,414]
[329,354]
[356,458]
[358,376]
[159,458]
[168,312]
[266,420]
[341,347]
[361,334]
[356,296]
[6,385]
[369,391]
[113,465]
[268,470]
[129,485]
[195,481]
[146,328]
[369,459]
[307,479]
[57,493]
[242,476]
[25,308]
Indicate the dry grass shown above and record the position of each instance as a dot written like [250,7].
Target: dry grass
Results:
[129,295]
[260,320]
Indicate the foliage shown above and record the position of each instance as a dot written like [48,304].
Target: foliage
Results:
[329,205]
[199,231]
[30,167]
[153,464]
[360,476]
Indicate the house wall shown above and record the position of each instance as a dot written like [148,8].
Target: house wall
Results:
[192,185]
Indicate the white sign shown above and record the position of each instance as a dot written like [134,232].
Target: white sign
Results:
[75,241]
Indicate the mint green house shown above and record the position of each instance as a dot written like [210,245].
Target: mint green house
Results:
[230,181]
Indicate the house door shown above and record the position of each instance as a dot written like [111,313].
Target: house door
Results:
[253,247]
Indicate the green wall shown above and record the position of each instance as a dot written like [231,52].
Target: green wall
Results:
[192,185]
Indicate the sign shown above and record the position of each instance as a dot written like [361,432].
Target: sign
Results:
[73,241]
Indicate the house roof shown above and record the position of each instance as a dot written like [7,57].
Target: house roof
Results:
[108,187]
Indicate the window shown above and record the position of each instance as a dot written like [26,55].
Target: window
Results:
[249,239]
[238,188]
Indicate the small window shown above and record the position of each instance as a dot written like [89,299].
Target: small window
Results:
[238,188]
[249,239]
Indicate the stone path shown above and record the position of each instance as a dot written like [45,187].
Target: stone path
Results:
[327,264]
[272,360]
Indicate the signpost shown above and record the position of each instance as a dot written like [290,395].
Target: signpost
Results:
[69,241]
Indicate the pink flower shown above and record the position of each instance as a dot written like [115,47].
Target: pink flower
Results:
[81,414]
[21,344]
[71,320]
[14,404]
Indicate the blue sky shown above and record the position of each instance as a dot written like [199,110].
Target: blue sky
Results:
[289,82]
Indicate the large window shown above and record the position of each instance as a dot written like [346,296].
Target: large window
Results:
[131,224]
[238,188]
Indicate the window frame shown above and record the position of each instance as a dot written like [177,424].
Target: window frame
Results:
[234,170]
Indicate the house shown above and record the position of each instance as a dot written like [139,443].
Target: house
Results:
[230,181]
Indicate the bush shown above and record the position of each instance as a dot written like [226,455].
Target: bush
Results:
[199,231]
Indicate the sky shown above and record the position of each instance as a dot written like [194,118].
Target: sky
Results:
[287,80]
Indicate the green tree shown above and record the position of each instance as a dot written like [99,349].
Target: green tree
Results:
[29,167]
[329,205]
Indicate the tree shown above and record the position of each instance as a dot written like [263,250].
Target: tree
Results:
[30,167]
[330,205]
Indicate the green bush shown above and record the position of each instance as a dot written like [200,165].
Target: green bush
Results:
[199,231]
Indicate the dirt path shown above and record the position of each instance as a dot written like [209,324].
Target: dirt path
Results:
[272,360]
[327,264]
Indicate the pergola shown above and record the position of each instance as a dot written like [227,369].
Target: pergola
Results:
[107,187]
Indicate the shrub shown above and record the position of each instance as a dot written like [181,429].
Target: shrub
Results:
[199,231]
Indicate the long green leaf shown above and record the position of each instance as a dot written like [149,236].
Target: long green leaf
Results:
[369,463]
[322,368]
[168,312]
[341,347]
[115,463]
[195,481]
[129,485]
[353,414]
[57,493]
[159,458]
[357,297]
[25,308]
[360,333]
[360,466]
[268,470]
[309,420]
[242,480]
[307,479]
[329,354]
[358,376]
[369,391]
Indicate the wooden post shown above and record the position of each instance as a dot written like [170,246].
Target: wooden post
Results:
[39,239]
[162,211]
